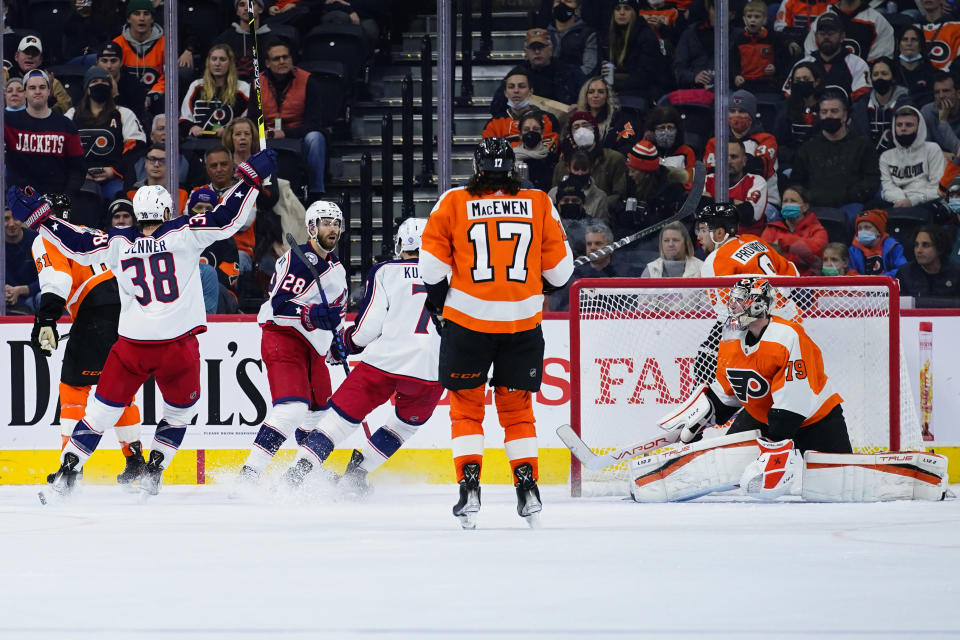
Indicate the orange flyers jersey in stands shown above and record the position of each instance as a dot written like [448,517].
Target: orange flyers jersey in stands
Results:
[509,128]
[746,255]
[760,145]
[496,248]
[943,43]
[799,13]
[64,277]
[784,370]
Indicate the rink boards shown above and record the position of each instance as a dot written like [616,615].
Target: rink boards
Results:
[236,399]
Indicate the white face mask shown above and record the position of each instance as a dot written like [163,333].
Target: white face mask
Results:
[518,105]
[584,137]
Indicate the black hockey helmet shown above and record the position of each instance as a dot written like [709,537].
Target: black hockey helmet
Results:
[720,214]
[60,204]
[493,155]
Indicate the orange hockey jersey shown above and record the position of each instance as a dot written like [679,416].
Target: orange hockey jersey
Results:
[943,43]
[746,255]
[784,370]
[495,248]
[64,277]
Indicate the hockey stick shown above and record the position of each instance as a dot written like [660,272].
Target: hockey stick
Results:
[688,207]
[595,462]
[316,278]
[256,76]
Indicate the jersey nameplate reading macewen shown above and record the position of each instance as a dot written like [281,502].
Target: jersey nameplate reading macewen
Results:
[491,207]
[747,251]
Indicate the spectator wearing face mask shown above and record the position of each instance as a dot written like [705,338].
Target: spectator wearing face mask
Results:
[910,172]
[836,261]
[912,69]
[570,200]
[885,97]
[574,43]
[799,237]
[873,252]
[538,154]
[595,199]
[505,122]
[664,128]
[606,165]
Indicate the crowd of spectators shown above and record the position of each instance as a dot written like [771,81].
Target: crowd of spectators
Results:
[844,130]
[844,124]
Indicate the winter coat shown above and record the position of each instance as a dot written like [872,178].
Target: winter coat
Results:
[915,282]
[912,172]
[576,45]
[645,64]
[883,259]
[803,246]
[609,174]
[694,54]
[837,173]
[945,134]
[880,118]
[691,268]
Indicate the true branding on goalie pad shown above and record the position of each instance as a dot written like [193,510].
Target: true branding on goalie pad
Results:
[854,477]
[687,471]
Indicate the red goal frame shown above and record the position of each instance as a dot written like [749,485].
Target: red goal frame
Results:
[685,283]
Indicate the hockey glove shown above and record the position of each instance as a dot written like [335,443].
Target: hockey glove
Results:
[436,315]
[44,336]
[257,167]
[320,316]
[28,206]
[348,344]
[337,354]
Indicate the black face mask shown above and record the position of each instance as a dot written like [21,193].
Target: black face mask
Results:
[831,125]
[571,211]
[882,85]
[907,140]
[802,89]
[582,182]
[562,12]
[100,92]
[531,139]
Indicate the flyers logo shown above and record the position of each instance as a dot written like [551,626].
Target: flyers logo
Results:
[938,51]
[747,383]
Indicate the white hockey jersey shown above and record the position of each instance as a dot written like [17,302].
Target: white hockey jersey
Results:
[161,298]
[293,288]
[393,329]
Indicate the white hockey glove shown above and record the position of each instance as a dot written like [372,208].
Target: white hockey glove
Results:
[772,474]
[692,417]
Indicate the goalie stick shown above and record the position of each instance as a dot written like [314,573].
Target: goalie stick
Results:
[688,207]
[595,462]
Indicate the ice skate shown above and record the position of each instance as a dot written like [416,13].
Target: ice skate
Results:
[66,476]
[135,466]
[528,495]
[293,477]
[152,477]
[468,507]
[353,484]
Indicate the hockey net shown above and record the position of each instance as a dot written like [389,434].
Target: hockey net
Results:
[634,354]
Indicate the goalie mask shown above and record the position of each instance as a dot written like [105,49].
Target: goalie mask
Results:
[750,299]
[408,235]
[152,204]
[323,210]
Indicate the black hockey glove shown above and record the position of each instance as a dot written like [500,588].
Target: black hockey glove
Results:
[436,315]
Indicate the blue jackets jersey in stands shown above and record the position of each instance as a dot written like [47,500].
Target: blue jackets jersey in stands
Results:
[293,287]
[161,297]
[393,329]
[44,153]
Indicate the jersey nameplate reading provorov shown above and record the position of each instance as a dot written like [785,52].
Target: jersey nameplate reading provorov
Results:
[748,251]
[747,383]
[508,207]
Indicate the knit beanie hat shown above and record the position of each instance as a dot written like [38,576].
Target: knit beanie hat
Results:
[138,5]
[742,99]
[94,73]
[568,187]
[583,115]
[643,156]
[201,194]
[876,217]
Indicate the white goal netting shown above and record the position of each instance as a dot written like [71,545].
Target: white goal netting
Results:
[634,347]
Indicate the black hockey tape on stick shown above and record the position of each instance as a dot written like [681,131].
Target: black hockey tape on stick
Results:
[689,207]
[256,76]
[316,278]
[595,462]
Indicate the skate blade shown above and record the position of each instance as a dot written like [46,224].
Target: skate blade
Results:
[468,520]
[533,520]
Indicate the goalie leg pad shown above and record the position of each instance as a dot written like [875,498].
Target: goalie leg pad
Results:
[687,471]
[773,473]
[854,477]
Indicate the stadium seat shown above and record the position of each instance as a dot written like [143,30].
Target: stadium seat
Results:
[767,105]
[903,224]
[48,17]
[289,34]
[71,77]
[343,43]
[335,88]
[835,222]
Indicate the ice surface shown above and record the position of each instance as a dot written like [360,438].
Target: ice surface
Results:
[192,563]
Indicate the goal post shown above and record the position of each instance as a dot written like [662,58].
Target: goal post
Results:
[639,346]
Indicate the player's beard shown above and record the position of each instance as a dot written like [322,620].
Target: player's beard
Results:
[327,242]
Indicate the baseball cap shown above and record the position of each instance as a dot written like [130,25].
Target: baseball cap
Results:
[110,49]
[536,36]
[829,23]
[30,41]
[33,73]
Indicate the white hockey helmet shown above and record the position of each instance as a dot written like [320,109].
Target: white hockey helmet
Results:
[152,203]
[408,235]
[319,210]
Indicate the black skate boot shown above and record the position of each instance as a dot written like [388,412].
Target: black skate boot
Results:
[135,465]
[294,475]
[66,476]
[152,476]
[528,495]
[353,483]
[468,507]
